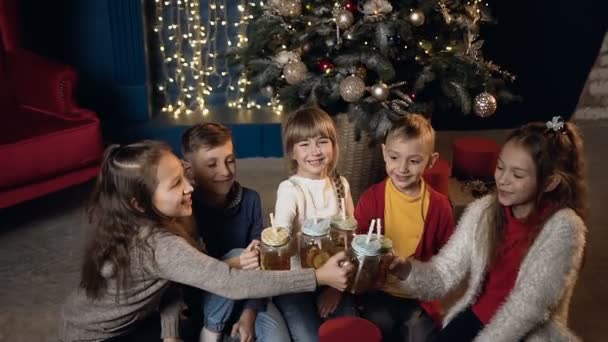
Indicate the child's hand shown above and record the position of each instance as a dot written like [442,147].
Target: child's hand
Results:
[328,301]
[333,273]
[245,327]
[250,257]
[400,267]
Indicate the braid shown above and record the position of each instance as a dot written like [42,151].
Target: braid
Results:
[339,186]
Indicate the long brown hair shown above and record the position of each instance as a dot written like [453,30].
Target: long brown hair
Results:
[120,207]
[556,153]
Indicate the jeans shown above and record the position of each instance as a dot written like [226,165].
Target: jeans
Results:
[302,316]
[399,319]
[219,312]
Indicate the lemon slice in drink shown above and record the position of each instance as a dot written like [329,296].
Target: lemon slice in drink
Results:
[320,259]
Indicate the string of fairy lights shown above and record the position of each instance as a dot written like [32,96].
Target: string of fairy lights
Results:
[190,47]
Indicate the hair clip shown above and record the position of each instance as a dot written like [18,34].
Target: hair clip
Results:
[556,124]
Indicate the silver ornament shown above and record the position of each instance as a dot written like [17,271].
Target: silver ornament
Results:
[287,8]
[295,72]
[267,91]
[416,17]
[344,19]
[330,42]
[352,88]
[485,105]
[380,91]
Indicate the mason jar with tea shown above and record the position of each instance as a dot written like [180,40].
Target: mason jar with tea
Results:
[386,255]
[366,259]
[316,246]
[342,230]
[275,249]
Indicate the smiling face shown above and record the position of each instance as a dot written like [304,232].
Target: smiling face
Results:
[406,160]
[313,156]
[173,194]
[516,180]
[214,169]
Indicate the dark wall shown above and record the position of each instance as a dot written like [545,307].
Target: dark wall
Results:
[104,41]
[549,45]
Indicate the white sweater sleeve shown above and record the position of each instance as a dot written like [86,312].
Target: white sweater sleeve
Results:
[435,278]
[550,266]
[286,207]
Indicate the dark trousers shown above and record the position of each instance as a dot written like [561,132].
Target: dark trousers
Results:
[399,319]
[462,328]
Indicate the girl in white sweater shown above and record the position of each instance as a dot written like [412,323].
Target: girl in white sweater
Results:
[314,191]
[521,247]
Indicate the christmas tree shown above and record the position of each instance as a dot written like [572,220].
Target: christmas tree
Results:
[374,59]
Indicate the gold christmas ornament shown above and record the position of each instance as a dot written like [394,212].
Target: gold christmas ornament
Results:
[380,91]
[352,88]
[286,8]
[416,17]
[484,105]
[295,72]
[344,19]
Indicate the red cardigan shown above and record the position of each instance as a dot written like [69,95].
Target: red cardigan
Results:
[438,227]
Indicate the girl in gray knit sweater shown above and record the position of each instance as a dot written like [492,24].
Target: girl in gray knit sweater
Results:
[142,243]
[521,247]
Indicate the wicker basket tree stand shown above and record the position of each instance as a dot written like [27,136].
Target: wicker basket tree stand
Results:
[361,164]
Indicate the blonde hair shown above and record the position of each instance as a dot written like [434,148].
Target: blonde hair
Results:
[412,126]
[309,123]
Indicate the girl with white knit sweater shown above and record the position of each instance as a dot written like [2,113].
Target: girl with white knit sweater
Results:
[522,247]
[315,191]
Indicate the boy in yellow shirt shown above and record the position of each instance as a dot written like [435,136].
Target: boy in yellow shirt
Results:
[416,218]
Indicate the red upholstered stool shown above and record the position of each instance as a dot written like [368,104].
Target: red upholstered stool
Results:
[474,158]
[351,329]
[438,177]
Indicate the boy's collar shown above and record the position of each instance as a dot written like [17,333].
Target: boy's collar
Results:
[233,199]
[234,196]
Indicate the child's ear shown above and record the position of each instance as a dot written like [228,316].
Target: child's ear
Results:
[432,160]
[552,183]
[384,151]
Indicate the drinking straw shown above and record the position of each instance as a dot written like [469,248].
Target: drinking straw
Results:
[342,209]
[371,230]
[271,219]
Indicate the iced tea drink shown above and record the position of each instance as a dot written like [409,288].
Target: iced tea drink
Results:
[366,260]
[342,232]
[316,246]
[275,251]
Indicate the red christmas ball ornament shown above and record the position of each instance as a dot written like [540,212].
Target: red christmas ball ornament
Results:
[349,5]
[325,65]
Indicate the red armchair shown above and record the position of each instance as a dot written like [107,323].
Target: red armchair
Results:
[47,142]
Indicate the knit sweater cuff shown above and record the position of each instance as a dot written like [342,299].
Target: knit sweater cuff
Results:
[169,326]
[304,280]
